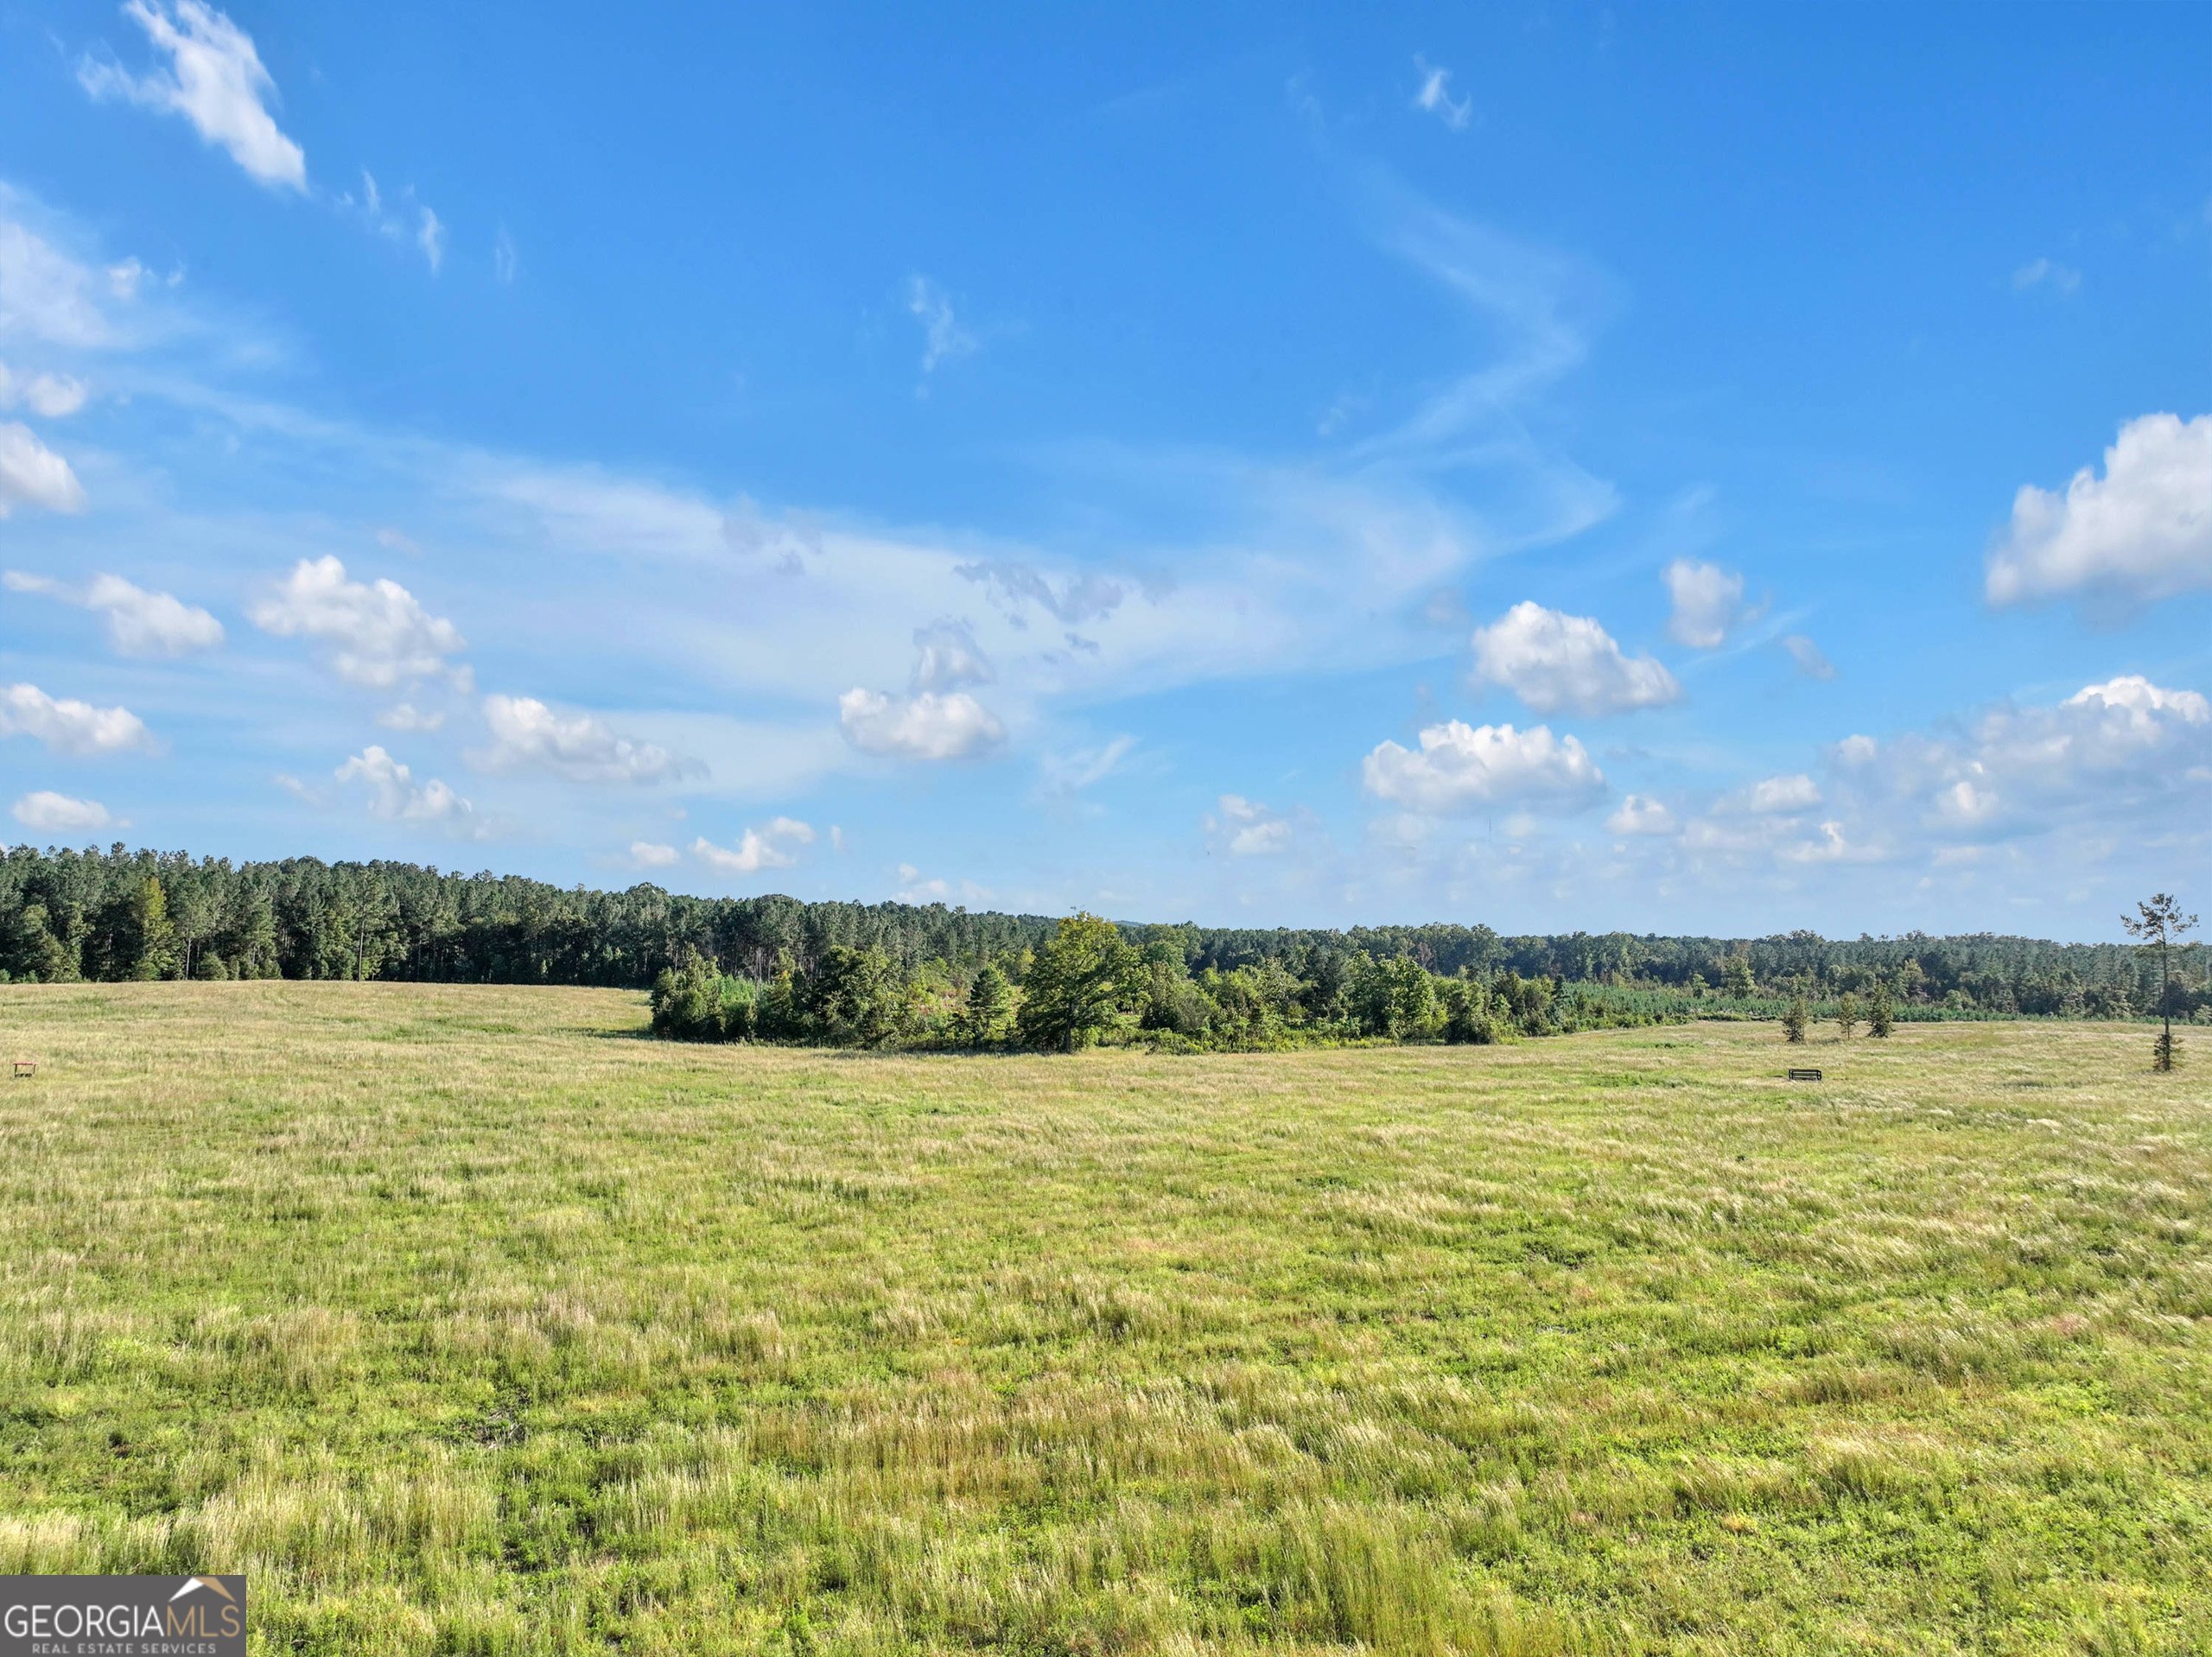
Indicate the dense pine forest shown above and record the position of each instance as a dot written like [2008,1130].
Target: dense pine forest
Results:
[898,975]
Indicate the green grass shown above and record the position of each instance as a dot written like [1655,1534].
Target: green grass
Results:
[462,1320]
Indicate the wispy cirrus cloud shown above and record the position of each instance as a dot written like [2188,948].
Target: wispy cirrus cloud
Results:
[46,294]
[1811,659]
[2062,280]
[405,220]
[1433,96]
[944,341]
[213,78]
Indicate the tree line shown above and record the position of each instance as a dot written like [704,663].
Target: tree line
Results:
[1089,979]
[898,973]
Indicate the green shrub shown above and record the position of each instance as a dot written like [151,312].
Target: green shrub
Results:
[687,1002]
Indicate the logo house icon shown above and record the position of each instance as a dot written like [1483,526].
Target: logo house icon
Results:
[204,1610]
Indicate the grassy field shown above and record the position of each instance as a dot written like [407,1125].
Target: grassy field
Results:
[464,1320]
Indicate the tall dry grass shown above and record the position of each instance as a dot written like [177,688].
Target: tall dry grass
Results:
[461,1319]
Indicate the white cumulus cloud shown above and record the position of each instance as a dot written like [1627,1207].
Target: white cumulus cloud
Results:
[405,716]
[773,846]
[1776,795]
[2125,762]
[2141,531]
[1641,815]
[48,813]
[1709,601]
[50,397]
[396,797]
[139,623]
[67,725]
[652,855]
[931,725]
[1554,662]
[1461,768]
[526,733]
[375,634]
[2133,705]
[32,474]
[214,80]
[1247,828]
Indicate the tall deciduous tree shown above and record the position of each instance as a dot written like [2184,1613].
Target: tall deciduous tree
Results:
[1086,980]
[152,936]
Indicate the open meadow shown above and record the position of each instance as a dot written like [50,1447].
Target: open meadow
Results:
[464,1319]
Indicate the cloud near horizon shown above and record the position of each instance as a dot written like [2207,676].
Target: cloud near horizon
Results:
[45,812]
[1457,769]
[68,726]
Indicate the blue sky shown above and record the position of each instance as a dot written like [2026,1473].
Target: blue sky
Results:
[1690,469]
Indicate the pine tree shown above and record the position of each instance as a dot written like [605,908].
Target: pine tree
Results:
[1794,1017]
[2158,923]
[373,927]
[248,937]
[192,911]
[1881,1017]
[1846,1014]
[31,953]
[982,1020]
